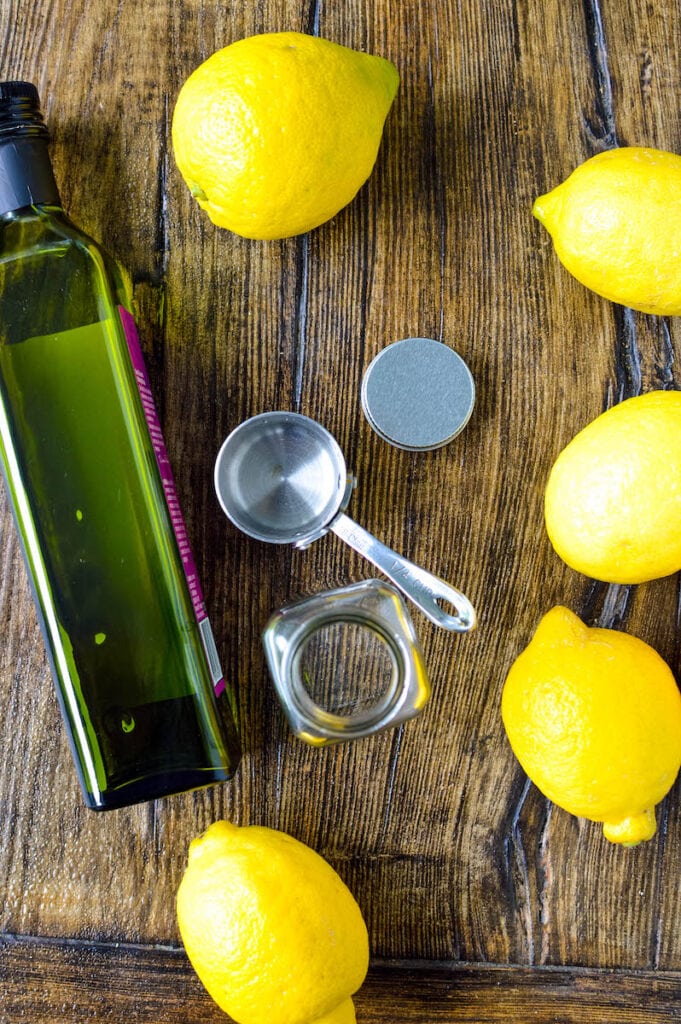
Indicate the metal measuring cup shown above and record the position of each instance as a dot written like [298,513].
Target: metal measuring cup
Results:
[281,478]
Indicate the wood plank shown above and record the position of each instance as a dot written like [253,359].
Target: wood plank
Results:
[44,981]
[450,853]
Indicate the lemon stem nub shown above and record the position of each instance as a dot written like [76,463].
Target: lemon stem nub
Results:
[198,193]
[632,831]
[344,1013]
[538,210]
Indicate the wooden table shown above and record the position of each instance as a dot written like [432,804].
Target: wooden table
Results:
[484,902]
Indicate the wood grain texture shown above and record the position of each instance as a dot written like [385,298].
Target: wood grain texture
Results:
[452,855]
[43,982]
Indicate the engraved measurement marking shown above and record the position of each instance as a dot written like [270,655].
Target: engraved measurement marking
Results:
[364,543]
[359,541]
[401,571]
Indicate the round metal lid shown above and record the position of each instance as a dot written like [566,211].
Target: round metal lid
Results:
[418,394]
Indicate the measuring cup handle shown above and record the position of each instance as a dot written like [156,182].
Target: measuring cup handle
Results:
[416,583]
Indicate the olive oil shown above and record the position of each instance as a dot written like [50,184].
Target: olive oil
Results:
[87,472]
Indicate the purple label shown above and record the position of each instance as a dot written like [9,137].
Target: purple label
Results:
[170,491]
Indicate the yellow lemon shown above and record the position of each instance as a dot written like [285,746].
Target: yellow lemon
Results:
[616,226]
[613,498]
[270,928]
[594,717]
[277,132]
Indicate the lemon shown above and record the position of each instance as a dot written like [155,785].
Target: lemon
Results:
[613,499]
[616,226]
[276,133]
[270,928]
[594,717]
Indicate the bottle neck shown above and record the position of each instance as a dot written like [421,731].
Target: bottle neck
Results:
[26,177]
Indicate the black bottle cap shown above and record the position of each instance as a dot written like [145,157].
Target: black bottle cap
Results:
[26,177]
[19,90]
[20,110]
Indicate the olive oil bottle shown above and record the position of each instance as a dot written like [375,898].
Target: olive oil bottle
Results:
[86,469]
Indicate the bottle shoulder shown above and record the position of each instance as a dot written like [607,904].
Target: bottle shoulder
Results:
[36,236]
[38,226]
[53,276]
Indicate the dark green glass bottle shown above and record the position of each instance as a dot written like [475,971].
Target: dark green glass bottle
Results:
[86,469]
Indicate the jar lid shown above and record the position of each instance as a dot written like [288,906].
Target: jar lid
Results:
[418,394]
